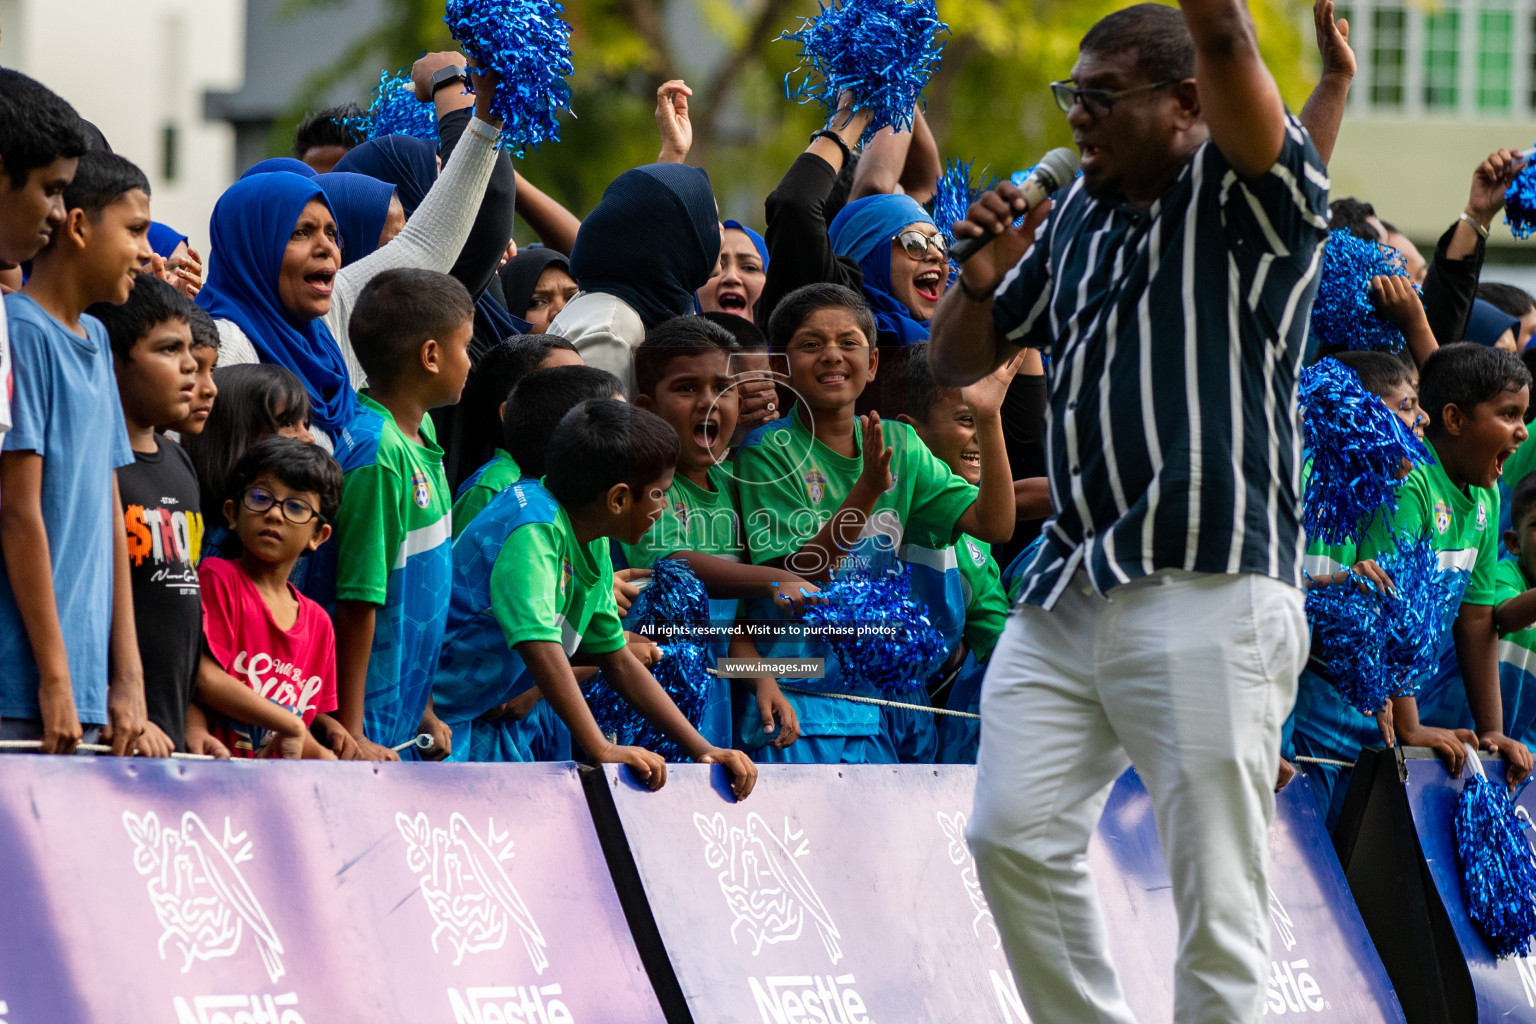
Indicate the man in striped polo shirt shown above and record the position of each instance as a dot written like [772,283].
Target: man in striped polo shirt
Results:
[1161,620]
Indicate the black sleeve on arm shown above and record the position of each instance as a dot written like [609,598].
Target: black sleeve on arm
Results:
[488,239]
[1449,288]
[799,251]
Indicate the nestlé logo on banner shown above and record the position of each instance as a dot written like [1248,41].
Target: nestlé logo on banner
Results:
[771,898]
[1292,989]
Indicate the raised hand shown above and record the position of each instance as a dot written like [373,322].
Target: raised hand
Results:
[672,121]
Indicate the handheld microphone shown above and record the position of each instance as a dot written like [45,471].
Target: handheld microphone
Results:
[1054,171]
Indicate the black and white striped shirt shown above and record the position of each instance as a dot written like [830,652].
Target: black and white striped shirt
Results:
[1176,334]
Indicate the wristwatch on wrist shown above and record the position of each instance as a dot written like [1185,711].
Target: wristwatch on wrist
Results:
[447,76]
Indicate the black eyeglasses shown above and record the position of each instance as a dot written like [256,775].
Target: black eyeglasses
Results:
[1098,102]
[916,244]
[296,510]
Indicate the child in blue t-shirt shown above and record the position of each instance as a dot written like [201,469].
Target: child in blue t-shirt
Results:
[67,637]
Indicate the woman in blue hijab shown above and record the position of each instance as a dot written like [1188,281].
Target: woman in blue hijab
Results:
[368,213]
[903,258]
[276,164]
[254,287]
[182,265]
[652,241]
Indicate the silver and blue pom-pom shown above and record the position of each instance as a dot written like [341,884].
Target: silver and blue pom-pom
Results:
[879,634]
[682,673]
[1520,201]
[1343,316]
[952,199]
[884,51]
[395,110]
[673,597]
[1498,872]
[528,44]
[1356,448]
[1376,645]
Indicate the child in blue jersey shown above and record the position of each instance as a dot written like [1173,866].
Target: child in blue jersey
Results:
[482,415]
[525,728]
[964,592]
[69,657]
[822,486]
[1514,614]
[1475,400]
[532,590]
[683,374]
[391,563]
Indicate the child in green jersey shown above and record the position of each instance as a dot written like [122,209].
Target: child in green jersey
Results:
[974,607]
[532,591]
[682,373]
[823,484]
[389,576]
[1475,399]
[1514,590]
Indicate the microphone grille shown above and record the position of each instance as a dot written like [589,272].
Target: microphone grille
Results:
[1061,165]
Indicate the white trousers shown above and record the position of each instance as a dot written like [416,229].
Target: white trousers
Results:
[1188,676]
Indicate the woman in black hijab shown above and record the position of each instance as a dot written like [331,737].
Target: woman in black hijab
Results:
[536,284]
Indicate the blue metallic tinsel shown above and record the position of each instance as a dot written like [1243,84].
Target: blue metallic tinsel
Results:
[681,672]
[674,597]
[1356,447]
[853,607]
[1520,202]
[396,110]
[1498,874]
[953,197]
[885,51]
[528,44]
[1343,315]
[1376,645]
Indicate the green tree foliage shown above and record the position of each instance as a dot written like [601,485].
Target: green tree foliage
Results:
[988,104]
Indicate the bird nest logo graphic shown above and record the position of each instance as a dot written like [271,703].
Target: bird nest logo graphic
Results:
[471,899]
[201,899]
[763,884]
[953,826]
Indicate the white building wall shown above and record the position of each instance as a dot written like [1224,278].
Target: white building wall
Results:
[137,68]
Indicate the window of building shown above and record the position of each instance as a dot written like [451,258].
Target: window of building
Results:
[1442,48]
[1388,39]
[1495,60]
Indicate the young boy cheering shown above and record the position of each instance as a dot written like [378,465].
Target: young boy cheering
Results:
[822,485]
[66,600]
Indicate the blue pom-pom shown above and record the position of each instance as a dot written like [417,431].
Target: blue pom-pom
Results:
[396,110]
[879,634]
[885,51]
[1344,315]
[674,597]
[528,44]
[1520,202]
[952,199]
[681,673]
[1379,645]
[1498,872]
[1357,449]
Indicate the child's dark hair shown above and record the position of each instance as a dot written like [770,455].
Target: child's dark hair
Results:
[1353,216]
[1521,501]
[1506,298]
[1380,373]
[398,311]
[101,179]
[150,301]
[255,401]
[1465,375]
[536,405]
[796,307]
[334,126]
[37,127]
[497,373]
[600,444]
[923,390]
[302,466]
[205,333]
[670,339]
[747,334]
